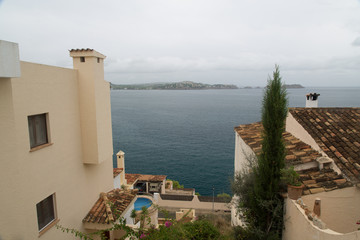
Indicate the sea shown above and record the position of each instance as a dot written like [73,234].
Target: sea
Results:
[189,135]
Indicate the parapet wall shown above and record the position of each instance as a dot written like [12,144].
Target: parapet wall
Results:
[299,227]
[179,201]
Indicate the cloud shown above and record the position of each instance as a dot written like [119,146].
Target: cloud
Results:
[246,62]
[213,40]
[356,42]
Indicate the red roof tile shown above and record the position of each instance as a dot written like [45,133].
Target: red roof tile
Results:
[297,152]
[337,132]
[81,50]
[104,209]
[131,178]
[117,171]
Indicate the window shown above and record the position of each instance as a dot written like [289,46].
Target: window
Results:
[37,130]
[98,60]
[82,59]
[46,213]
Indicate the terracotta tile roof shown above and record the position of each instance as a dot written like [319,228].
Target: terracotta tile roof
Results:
[117,171]
[337,132]
[103,210]
[326,179]
[131,178]
[297,152]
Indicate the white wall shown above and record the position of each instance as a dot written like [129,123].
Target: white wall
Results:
[243,154]
[340,209]
[127,214]
[293,127]
[117,181]
[9,60]
[195,204]
[298,227]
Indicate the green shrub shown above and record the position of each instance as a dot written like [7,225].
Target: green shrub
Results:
[225,196]
[176,184]
[201,229]
[290,176]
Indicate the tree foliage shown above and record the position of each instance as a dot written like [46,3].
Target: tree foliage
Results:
[258,186]
[176,184]
[225,196]
[271,159]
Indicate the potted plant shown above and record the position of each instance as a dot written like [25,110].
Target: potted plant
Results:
[292,179]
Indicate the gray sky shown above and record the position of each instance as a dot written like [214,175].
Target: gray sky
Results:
[315,42]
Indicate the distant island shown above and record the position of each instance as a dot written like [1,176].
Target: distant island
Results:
[186,85]
[287,86]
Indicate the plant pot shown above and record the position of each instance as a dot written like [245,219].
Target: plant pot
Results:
[295,192]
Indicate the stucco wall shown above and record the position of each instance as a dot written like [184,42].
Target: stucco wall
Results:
[340,209]
[243,154]
[117,181]
[95,110]
[293,127]
[298,227]
[26,177]
[9,59]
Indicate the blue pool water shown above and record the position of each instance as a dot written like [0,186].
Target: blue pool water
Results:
[140,202]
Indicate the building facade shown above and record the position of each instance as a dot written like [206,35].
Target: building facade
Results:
[56,143]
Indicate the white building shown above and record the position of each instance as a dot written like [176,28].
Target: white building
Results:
[323,144]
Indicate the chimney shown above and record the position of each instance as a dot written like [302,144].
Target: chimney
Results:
[312,100]
[120,159]
[94,105]
[120,162]
[9,60]
[317,207]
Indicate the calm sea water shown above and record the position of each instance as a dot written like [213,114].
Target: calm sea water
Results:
[189,135]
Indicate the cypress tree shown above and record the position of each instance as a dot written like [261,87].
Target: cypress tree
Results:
[272,158]
[259,201]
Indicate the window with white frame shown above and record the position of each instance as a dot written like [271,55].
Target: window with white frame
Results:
[37,130]
[46,212]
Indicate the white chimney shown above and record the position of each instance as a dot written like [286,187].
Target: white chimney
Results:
[120,160]
[9,60]
[312,100]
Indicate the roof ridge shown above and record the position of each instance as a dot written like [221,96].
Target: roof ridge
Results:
[107,206]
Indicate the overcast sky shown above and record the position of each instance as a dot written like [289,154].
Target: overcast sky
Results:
[315,42]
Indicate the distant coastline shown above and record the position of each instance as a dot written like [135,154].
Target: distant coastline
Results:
[287,86]
[187,85]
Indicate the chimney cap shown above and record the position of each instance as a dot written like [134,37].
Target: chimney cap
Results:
[120,153]
[85,52]
[312,96]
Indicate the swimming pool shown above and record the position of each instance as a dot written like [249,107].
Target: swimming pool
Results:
[140,202]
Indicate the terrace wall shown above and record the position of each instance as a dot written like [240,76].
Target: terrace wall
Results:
[298,226]
[181,201]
